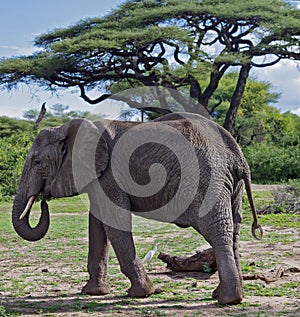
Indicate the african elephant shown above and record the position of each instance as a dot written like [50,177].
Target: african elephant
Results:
[181,168]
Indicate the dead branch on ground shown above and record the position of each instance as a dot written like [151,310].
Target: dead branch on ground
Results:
[205,261]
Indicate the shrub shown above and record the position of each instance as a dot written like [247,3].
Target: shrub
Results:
[286,199]
[270,163]
[13,150]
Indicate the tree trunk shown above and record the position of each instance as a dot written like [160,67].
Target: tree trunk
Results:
[215,78]
[204,261]
[236,98]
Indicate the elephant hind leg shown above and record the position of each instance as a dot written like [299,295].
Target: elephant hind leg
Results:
[236,209]
[216,292]
[230,290]
[218,229]
[237,219]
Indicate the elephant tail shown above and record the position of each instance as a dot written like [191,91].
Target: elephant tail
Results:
[255,226]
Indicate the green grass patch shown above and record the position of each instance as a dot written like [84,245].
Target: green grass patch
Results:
[290,289]
[282,220]
[57,264]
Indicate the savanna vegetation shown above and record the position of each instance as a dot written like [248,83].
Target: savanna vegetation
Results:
[270,139]
[163,44]
[203,51]
[44,278]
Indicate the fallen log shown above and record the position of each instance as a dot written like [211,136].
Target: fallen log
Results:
[204,261]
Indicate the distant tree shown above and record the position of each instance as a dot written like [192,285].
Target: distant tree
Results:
[165,44]
[257,94]
[274,154]
[58,109]
[79,114]
[292,134]
[254,108]
[31,114]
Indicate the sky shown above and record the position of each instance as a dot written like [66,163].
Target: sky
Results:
[21,21]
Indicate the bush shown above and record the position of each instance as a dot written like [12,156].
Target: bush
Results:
[13,152]
[270,163]
[16,137]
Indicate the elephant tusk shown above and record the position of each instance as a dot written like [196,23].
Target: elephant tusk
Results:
[28,207]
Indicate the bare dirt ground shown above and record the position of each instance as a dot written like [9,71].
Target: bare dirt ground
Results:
[47,298]
[271,187]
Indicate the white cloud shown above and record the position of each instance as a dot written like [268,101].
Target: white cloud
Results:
[14,103]
[11,50]
[296,111]
[285,78]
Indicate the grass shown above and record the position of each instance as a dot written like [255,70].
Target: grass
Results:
[56,267]
[290,289]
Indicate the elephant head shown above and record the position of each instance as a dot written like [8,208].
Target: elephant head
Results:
[49,172]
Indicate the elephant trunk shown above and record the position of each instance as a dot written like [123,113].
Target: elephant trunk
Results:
[20,219]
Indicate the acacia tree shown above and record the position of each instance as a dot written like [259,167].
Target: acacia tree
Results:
[165,44]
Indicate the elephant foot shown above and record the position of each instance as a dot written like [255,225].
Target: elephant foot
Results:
[93,288]
[141,290]
[231,295]
[216,293]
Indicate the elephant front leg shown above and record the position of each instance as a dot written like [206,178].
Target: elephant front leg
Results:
[97,259]
[130,263]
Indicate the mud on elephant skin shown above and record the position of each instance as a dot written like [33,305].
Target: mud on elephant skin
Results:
[181,168]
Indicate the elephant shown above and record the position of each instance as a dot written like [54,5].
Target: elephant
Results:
[180,168]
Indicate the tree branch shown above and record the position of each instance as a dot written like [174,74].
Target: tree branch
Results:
[213,108]
[266,64]
[92,101]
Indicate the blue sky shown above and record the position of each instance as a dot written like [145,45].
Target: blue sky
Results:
[22,20]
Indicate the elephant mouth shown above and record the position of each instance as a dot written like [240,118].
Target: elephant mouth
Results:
[44,195]
[31,200]
[45,192]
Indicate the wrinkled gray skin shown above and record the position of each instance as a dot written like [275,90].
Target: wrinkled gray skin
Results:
[48,172]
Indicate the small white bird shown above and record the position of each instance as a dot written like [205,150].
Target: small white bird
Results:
[148,257]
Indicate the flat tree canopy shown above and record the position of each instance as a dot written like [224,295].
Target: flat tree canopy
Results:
[166,44]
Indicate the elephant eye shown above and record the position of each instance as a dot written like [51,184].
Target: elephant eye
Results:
[37,162]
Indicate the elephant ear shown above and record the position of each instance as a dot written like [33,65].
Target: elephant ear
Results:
[85,157]
[90,154]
